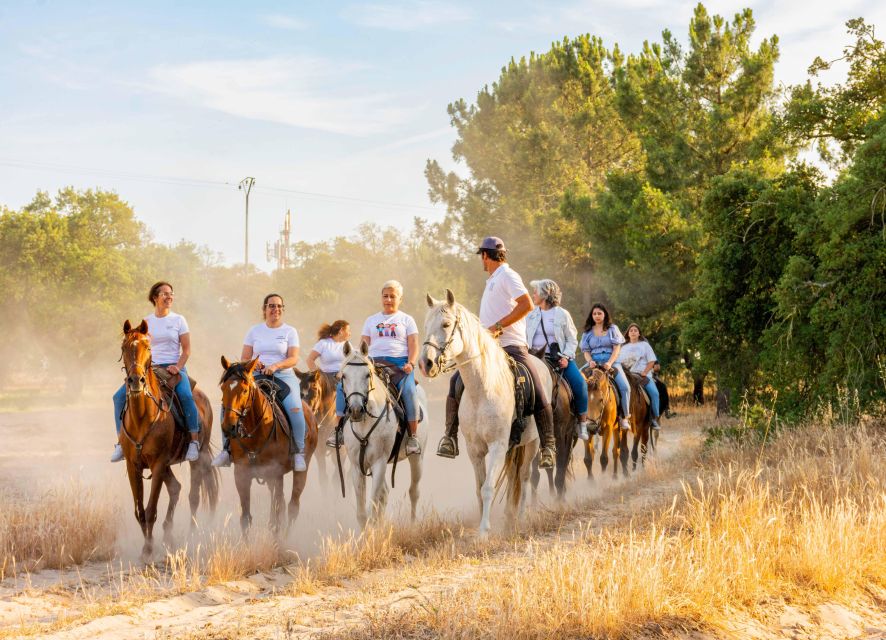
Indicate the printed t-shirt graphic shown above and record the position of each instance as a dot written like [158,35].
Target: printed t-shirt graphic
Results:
[387,334]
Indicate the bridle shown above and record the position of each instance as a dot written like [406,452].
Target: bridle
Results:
[605,381]
[364,440]
[444,363]
[364,397]
[237,431]
[161,409]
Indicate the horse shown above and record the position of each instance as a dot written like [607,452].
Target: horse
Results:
[641,419]
[565,422]
[603,415]
[150,440]
[456,339]
[370,434]
[318,392]
[259,444]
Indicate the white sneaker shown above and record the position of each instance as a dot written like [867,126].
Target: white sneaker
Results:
[582,431]
[223,459]
[193,452]
[117,456]
[655,425]
[625,424]
[298,462]
[413,448]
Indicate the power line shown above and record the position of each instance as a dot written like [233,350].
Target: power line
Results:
[203,183]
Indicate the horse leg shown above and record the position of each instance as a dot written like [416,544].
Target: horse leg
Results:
[635,453]
[522,476]
[494,462]
[535,476]
[358,480]
[198,473]
[551,486]
[415,464]
[479,463]
[243,481]
[299,480]
[564,455]
[138,495]
[379,490]
[275,486]
[321,466]
[173,488]
[589,458]
[158,473]
[623,451]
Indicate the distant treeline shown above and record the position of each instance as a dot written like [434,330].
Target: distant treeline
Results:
[666,183]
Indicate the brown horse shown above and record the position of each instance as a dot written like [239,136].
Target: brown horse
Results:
[318,391]
[641,419]
[603,415]
[151,441]
[258,443]
[565,422]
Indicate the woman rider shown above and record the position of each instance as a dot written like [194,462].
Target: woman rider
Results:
[275,344]
[549,328]
[392,336]
[327,356]
[637,355]
[601,344]
[170,349]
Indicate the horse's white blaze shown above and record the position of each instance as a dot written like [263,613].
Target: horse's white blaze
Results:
[487,407]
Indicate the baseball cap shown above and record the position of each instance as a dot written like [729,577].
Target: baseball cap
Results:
[491,243]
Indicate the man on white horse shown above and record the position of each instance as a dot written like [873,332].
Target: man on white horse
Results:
[503,310]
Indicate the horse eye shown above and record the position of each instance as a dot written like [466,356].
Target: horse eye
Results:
[446,324]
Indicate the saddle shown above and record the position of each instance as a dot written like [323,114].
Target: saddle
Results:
[275,392]
[168,383]
[524,398]
[560,381]
[638,385]
[392,375]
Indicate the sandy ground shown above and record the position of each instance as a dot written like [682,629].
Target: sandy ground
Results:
[257,607]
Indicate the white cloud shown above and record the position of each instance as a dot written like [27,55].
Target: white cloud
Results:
[280,21]
[408,15]
[298,91]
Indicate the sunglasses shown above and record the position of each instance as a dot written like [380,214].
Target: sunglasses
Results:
[274,306]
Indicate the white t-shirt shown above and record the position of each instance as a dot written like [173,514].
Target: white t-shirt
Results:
[634,356]
[166,333]
[270,345]
[331,355]
[547,320]
[387,334]
[503,287]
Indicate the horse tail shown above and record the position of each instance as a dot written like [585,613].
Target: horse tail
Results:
[513,463]
[210,480]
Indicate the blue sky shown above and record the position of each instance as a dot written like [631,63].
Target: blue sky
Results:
[347,99]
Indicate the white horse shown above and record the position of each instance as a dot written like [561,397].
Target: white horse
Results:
[370,432]
[456,339]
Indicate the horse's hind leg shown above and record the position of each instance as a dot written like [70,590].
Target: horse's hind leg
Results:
[173,488]
[589,459]
[635,454]
[298,486]
[275,485]
[623,452]
[534,478]
[415,463]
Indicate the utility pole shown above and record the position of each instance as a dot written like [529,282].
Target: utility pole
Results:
[246,185]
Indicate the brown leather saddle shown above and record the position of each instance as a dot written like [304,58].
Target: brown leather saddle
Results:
[168,382]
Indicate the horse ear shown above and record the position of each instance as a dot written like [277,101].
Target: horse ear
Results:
[127,326]
[431,301]
[347,349]
[143,327]
[252,365]
[364,348]
[450,297]
[225,363]
[300,375]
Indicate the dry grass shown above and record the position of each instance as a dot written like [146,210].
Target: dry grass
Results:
[805,520]
[64,526]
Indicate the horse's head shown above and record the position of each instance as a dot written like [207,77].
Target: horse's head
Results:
[445,336]
[136,353]
[357,375]
[312,385]
[237,386]
[599,395]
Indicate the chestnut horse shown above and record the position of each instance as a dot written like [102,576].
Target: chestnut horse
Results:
[641,419]
[318,392]
[150,440]
[603,415]
[565,422]
[259,447]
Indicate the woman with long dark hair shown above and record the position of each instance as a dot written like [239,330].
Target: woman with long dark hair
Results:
[601,344]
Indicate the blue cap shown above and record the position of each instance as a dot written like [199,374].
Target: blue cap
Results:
[491,243]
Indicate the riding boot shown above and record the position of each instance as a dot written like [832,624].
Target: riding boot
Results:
[544,420]
[448,447]
[337,439]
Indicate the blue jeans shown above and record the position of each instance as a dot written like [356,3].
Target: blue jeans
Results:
[406,387]
[652,390]
[292,404]
[621,380]
[579,386]
[182,390]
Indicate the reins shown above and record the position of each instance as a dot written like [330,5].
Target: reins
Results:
[162,407]
[237,433]
[452,365]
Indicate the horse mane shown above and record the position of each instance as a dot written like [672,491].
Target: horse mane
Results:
[493,359]
[237,369]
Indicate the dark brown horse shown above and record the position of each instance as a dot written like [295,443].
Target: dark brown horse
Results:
[151,441]
[565,422]
[318,392]
[603,415]
[258,443]
[641,418]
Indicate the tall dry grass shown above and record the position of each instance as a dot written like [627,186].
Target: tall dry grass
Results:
[804,518]
[66,525]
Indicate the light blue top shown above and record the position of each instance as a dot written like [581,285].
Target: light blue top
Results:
[597,345]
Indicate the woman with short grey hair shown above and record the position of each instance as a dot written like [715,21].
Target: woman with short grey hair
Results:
[551,332]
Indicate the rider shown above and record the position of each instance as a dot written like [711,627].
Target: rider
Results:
[275,344]
[503,310]
[392,337]
[551,331]
[327,356]
[637,355]
[170,349]
[601,344]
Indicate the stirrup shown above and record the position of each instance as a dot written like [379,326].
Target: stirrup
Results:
[336,440]
[546,459]
[448,447]
[412,446]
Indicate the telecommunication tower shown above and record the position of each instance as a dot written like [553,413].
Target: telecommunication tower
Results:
[282,251]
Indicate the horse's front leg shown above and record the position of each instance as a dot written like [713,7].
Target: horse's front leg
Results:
[478,461]
[275,486]
[243,481]
[589,458]
[415,467]
[494,462]
[564,457]
[379,490]
[522,476]
[173,488]
[298,486]
[534,478]
[623,450]
[358,481]
[138,494]
[158,479]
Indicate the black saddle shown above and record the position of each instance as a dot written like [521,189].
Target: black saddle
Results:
[392,375]
[524,398]
[275,391]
